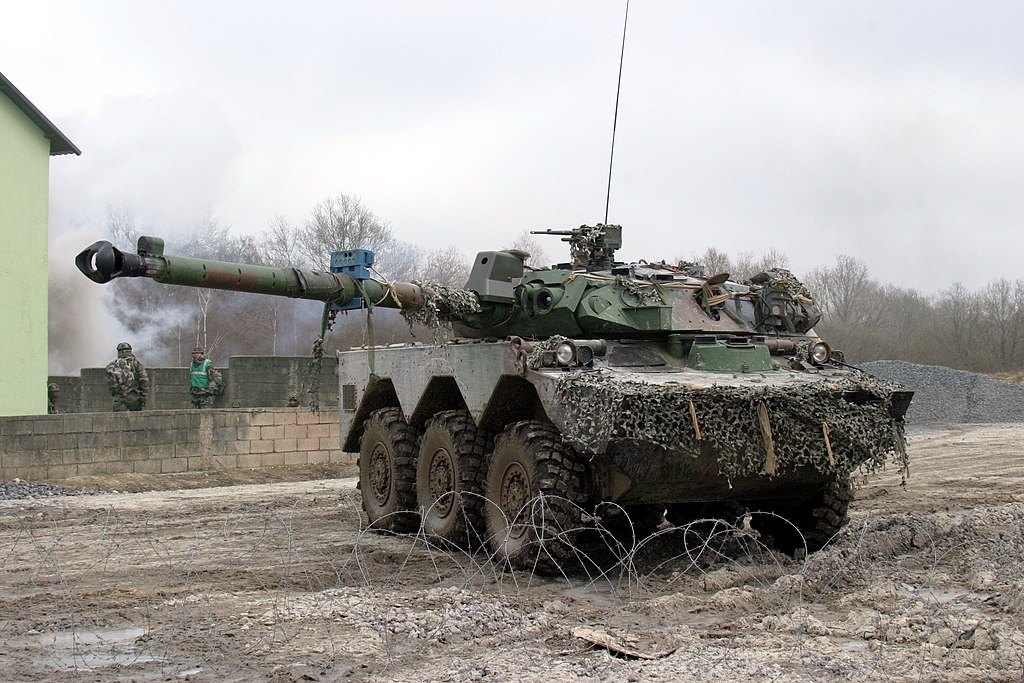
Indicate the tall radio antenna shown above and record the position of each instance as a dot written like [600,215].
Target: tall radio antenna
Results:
[615,120]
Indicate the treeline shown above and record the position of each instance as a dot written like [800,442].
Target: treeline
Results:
[980,331]
[167,321]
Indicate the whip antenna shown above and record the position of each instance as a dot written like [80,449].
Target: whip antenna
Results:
[615,119]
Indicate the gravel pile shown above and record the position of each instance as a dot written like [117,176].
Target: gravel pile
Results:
[11,490]
[945,395]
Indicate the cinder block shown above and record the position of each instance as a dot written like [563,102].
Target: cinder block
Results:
[225,433]
[236,447]
[247,433]
[58,442]
[272,432]
[307,444]
[272,460]
[119,467]
[173,465]
[284,445]
[330,443]
[249,460]
[147,467]
[295,458]
[225,462]
[284,417]
[29,442]
[33,473]
[48,424]
[131,453]
[307,417]
[295,431]
[61,471]
[159,451]
[263,418]
[75,424]
[87,468]
[317,457]
[261,446]
[319,430]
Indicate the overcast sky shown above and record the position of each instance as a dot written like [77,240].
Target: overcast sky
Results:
[889,131]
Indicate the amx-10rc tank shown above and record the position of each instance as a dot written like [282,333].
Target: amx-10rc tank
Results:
[580,397]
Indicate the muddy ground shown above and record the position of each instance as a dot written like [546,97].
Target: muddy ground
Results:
[276,581]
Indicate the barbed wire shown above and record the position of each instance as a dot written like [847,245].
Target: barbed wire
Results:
[294,587]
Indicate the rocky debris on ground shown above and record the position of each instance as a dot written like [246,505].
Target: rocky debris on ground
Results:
[945,395]
[18,489]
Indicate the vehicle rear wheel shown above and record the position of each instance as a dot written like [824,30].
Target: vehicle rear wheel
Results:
[450,473]
[535,485]
[387,471]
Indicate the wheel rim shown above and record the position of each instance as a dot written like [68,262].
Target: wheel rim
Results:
[441,482]
[380,473]
[513,496]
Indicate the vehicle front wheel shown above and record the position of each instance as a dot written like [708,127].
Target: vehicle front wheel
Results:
[387,471]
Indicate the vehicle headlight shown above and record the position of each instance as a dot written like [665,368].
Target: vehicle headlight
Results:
[565,353]
[819,353]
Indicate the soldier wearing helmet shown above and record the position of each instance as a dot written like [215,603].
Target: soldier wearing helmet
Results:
[52,394]
[205,382]
[127,380]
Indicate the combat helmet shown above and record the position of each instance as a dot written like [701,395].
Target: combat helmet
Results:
[124,346]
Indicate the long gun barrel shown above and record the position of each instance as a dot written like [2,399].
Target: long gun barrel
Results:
[102,262]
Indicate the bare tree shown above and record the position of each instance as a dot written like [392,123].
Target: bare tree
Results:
[529,243]
[715,261]
[340,223]
[448,266]
[1002,308]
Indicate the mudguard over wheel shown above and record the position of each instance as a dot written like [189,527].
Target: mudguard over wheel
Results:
[535,487]
[450,473]
[387,471]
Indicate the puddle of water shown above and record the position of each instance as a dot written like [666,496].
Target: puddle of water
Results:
[89,649]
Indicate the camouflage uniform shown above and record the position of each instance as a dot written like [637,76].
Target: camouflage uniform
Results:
[205,382]
[52,393]
[127,380]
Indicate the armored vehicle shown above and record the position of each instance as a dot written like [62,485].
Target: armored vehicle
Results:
[591,396]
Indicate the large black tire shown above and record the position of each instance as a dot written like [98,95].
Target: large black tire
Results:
[387,471]
[450,473]
[535,487]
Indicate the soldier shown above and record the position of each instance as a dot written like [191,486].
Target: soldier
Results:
[52,394]
[293,401]
[127,380]
[205,381]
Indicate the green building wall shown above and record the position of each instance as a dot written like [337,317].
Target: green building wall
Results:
[24,192]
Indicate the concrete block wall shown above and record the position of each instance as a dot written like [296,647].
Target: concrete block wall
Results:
[54,447]
[250,382]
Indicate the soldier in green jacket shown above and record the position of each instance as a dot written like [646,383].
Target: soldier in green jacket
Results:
[205,381]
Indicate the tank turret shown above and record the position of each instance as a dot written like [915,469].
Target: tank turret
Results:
[709,321]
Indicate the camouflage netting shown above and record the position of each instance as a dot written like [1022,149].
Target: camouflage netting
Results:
[783,280]
[727,417]
[443,304]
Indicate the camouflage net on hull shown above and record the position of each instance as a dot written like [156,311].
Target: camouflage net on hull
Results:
[810,425]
